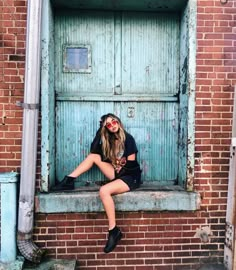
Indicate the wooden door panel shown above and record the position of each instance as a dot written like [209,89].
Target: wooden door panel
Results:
[150,54]
[155,128]
[134,74]
[76,125]
[92,28]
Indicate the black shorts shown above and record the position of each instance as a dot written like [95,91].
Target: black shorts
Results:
[133,181]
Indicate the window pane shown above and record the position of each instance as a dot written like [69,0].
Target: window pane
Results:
[77,59]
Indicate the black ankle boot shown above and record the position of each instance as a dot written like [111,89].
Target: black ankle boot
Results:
[68,183]
[114,236]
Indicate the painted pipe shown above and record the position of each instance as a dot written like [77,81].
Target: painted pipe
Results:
[30,134]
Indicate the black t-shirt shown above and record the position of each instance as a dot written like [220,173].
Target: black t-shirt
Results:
[122,166]
[130,146]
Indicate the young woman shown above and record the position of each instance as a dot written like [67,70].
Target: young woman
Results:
[114,152]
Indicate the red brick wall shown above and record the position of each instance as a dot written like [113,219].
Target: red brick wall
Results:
[12,63]
[155,241]
[151,240]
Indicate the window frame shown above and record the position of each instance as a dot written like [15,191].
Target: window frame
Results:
[66,69]
[187,102]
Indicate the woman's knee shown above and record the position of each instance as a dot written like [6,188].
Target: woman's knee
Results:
[104,192]
[95,158]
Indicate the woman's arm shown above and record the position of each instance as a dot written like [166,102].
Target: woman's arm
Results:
[95,145]
[131,157]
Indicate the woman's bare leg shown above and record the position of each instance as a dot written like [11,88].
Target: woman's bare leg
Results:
[106,192]
[68,181]
[89,161]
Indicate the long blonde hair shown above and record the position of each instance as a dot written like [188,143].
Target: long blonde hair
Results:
[108,139]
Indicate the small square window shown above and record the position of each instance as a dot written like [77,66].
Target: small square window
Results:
[77,58]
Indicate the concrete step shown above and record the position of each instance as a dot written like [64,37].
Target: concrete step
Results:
[213,267]
[51,265]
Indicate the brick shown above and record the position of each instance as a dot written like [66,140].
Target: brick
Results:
[153,248]
[182,267]
[16,58]
[20,3]
[154,261]
[125,267]
[172,261]
[21,9]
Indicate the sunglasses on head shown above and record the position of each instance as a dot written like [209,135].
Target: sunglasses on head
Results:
[112,123]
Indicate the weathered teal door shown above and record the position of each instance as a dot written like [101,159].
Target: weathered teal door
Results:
[126,63]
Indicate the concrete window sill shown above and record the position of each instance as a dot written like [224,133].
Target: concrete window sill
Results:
[146,198]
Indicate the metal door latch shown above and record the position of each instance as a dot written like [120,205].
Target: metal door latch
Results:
[130,112]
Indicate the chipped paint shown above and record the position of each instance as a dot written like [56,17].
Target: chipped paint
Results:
[230,240]
[187,95]
[204,234]
[47,99]
[229,235]
[26,207]
[192,81]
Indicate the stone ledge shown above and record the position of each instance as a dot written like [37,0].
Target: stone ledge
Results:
[15,265]
[51,264]
[81,201]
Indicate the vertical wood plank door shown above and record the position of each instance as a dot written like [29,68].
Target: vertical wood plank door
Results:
[126,63]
